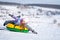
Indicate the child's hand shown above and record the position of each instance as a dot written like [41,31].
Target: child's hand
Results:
[10,15]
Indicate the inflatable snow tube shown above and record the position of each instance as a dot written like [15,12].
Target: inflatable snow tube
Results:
[17,28]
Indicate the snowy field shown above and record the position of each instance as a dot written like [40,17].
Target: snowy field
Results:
[45,21]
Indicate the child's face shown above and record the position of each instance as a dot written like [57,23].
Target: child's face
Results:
[23,22]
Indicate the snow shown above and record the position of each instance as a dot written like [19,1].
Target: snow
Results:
[42,24]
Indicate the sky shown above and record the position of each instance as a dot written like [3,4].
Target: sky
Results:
[34,1]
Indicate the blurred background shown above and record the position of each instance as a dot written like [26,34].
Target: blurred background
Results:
[34,1]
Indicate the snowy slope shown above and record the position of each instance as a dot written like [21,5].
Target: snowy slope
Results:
[38,19]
